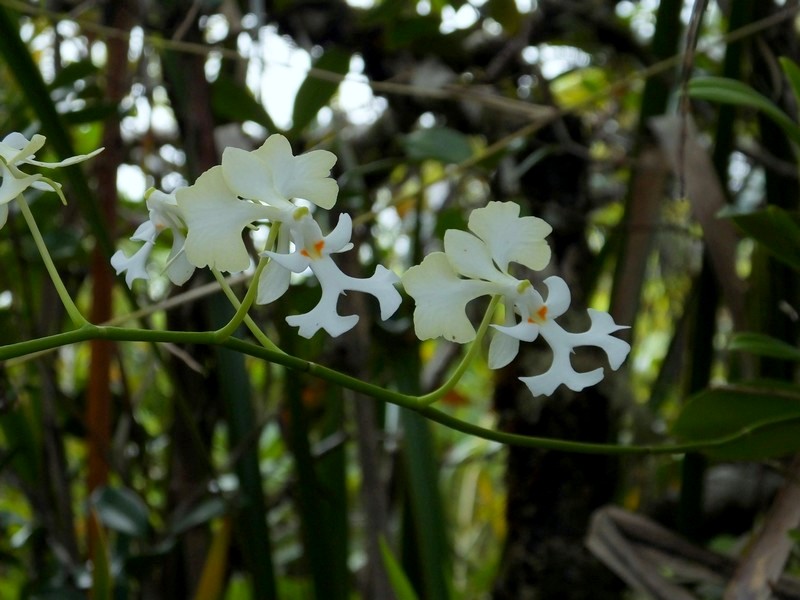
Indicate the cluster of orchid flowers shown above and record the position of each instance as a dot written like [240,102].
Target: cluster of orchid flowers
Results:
[271,186]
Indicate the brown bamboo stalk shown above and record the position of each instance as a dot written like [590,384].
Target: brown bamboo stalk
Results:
[98,398]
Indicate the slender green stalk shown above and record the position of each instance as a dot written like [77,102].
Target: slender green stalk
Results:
[77,318]
[242,307]
[247,320]
[431,397]
[119,334]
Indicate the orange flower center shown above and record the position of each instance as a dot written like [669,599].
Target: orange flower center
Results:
[315,252]
[541,314]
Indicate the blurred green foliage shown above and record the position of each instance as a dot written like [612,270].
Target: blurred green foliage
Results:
[258,482]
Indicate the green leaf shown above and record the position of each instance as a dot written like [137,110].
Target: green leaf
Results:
[239,588]
[102,579]
[429,538]
[72,73]
[406,32]
[575,88]
[23,448]
[506,13]
[401,586]
[212,578]
[122,510]
[792,72]
[60,592]
[320,548]
[314,92]
[252,515]
[729,91]
[90,114]
[775,229]
[766,413]
[763,345]
[204,511]
[438,143]
[235,102]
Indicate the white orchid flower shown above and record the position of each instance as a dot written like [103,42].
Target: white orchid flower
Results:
[500,237]
[477,264]
[313,250]
[16,150]
[542,323]
[164,214]
[250,187]
[275,278]
[215,217]
[272,175]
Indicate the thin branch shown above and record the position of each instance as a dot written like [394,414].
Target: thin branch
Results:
[456,93]
[690,50]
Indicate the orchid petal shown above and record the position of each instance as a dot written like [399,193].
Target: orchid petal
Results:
[164,214]
[503,348]
[179,269]
[13,185]
[322,316]
[145,232]
[215,218]
[13,143]
[500,236]
[558,296]
[48,185]
[273,283]
[272,174]
[315,163]
[441,298]
[525,331]
[322,192]
[15,150]
[306,233]
[275,278]
[599,335]
[15,147]
[44,184]
[313,250]
[134,266]
[305,176]
[276,151]
[63,163]
[251,177]
[333,283]
[563,343]
[470,256]
[295,262]
[546,383]
[339,238]
[511,238]
[381,285]
[164,210]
